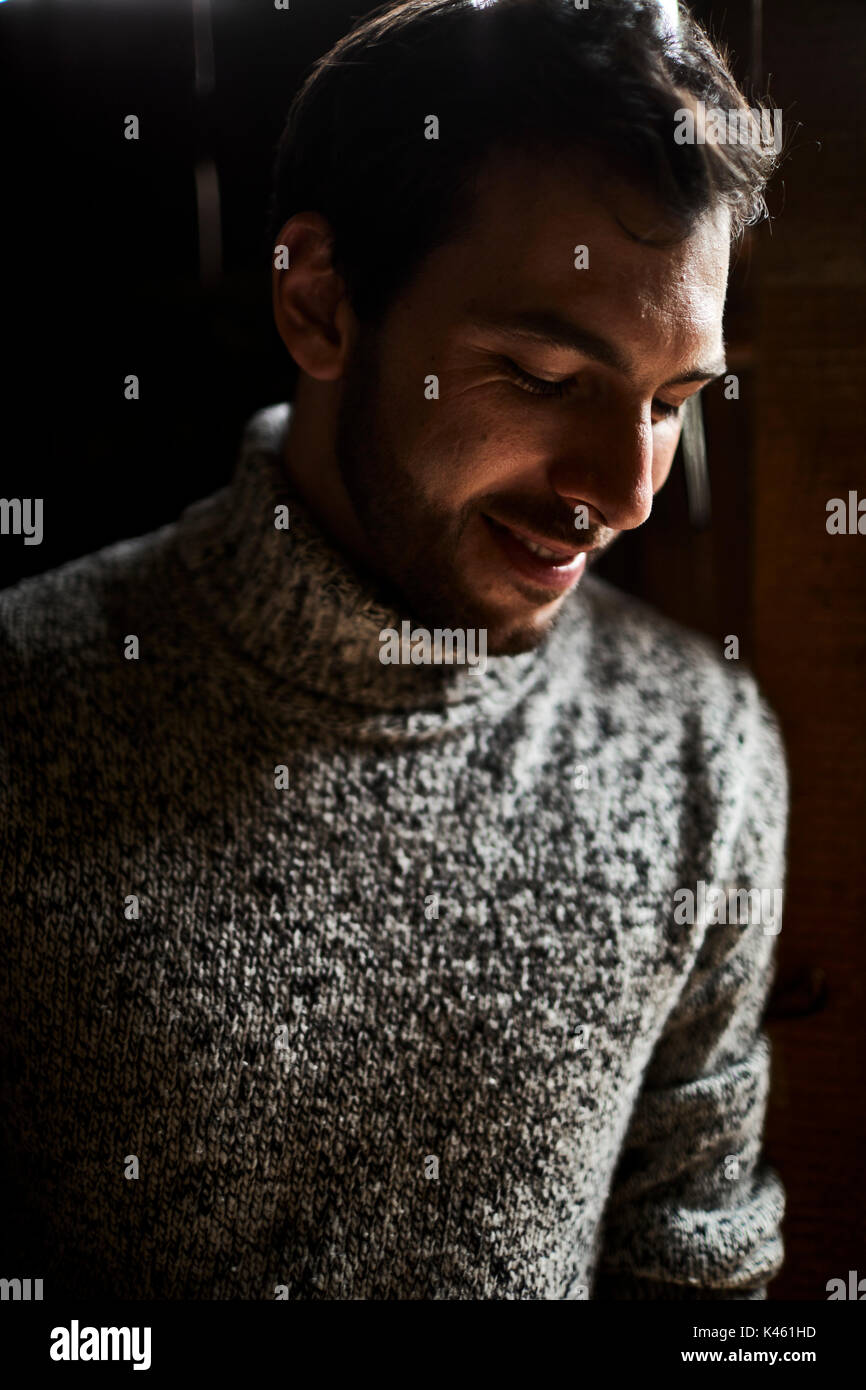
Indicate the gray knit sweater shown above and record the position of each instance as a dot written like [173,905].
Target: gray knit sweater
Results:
[416,1017]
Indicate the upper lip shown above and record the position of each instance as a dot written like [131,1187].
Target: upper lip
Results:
[556,546]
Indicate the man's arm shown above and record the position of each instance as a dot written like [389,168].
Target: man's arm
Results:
[694,1212]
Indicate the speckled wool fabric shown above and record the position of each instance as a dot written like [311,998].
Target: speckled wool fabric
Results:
[422,1024]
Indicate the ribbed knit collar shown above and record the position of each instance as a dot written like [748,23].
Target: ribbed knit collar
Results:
[296,605]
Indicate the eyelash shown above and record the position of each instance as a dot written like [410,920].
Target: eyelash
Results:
[537,386]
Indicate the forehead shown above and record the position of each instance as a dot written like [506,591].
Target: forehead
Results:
[519,252]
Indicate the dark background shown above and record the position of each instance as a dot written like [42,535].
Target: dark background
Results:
[110,269]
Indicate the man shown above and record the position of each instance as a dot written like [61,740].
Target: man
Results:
[354,828]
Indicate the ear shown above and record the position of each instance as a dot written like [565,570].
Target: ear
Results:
[311,306]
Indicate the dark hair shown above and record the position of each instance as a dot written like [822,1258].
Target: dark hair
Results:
[538,75]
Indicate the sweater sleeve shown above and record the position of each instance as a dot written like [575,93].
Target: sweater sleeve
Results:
[694,1212]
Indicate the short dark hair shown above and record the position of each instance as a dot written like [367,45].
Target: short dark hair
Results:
[537,75]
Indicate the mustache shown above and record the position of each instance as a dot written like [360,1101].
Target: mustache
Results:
[559,530]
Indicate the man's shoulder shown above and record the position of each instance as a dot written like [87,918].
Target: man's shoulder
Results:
[651,670]
[632,638]
[78,615]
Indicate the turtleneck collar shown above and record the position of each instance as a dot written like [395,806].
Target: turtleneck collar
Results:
[298,607]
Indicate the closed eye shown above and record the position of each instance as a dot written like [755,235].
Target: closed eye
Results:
[666,409]
[538,386]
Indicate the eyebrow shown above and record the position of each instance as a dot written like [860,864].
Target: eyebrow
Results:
[544,326]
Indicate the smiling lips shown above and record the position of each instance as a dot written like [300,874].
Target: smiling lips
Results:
[554,568]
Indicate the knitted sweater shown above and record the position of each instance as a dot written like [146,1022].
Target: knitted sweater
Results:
[331,979]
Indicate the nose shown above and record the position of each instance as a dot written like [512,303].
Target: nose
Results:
[606,464]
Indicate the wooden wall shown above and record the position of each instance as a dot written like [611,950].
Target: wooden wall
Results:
[810,621]
[768,570]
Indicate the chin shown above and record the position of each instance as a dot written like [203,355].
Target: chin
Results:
[516,640]
[511,629]
[518,633]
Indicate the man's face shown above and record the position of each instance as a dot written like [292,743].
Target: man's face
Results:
[561,442]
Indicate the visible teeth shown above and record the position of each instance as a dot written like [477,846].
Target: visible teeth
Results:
[545,554]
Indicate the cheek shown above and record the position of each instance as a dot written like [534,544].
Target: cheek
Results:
[449,462]
[663,458]
[468,447]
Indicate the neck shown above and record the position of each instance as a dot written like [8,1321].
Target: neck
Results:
[309,458]
[298,606]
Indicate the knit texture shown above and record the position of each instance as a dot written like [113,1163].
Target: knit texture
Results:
[420,1024]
